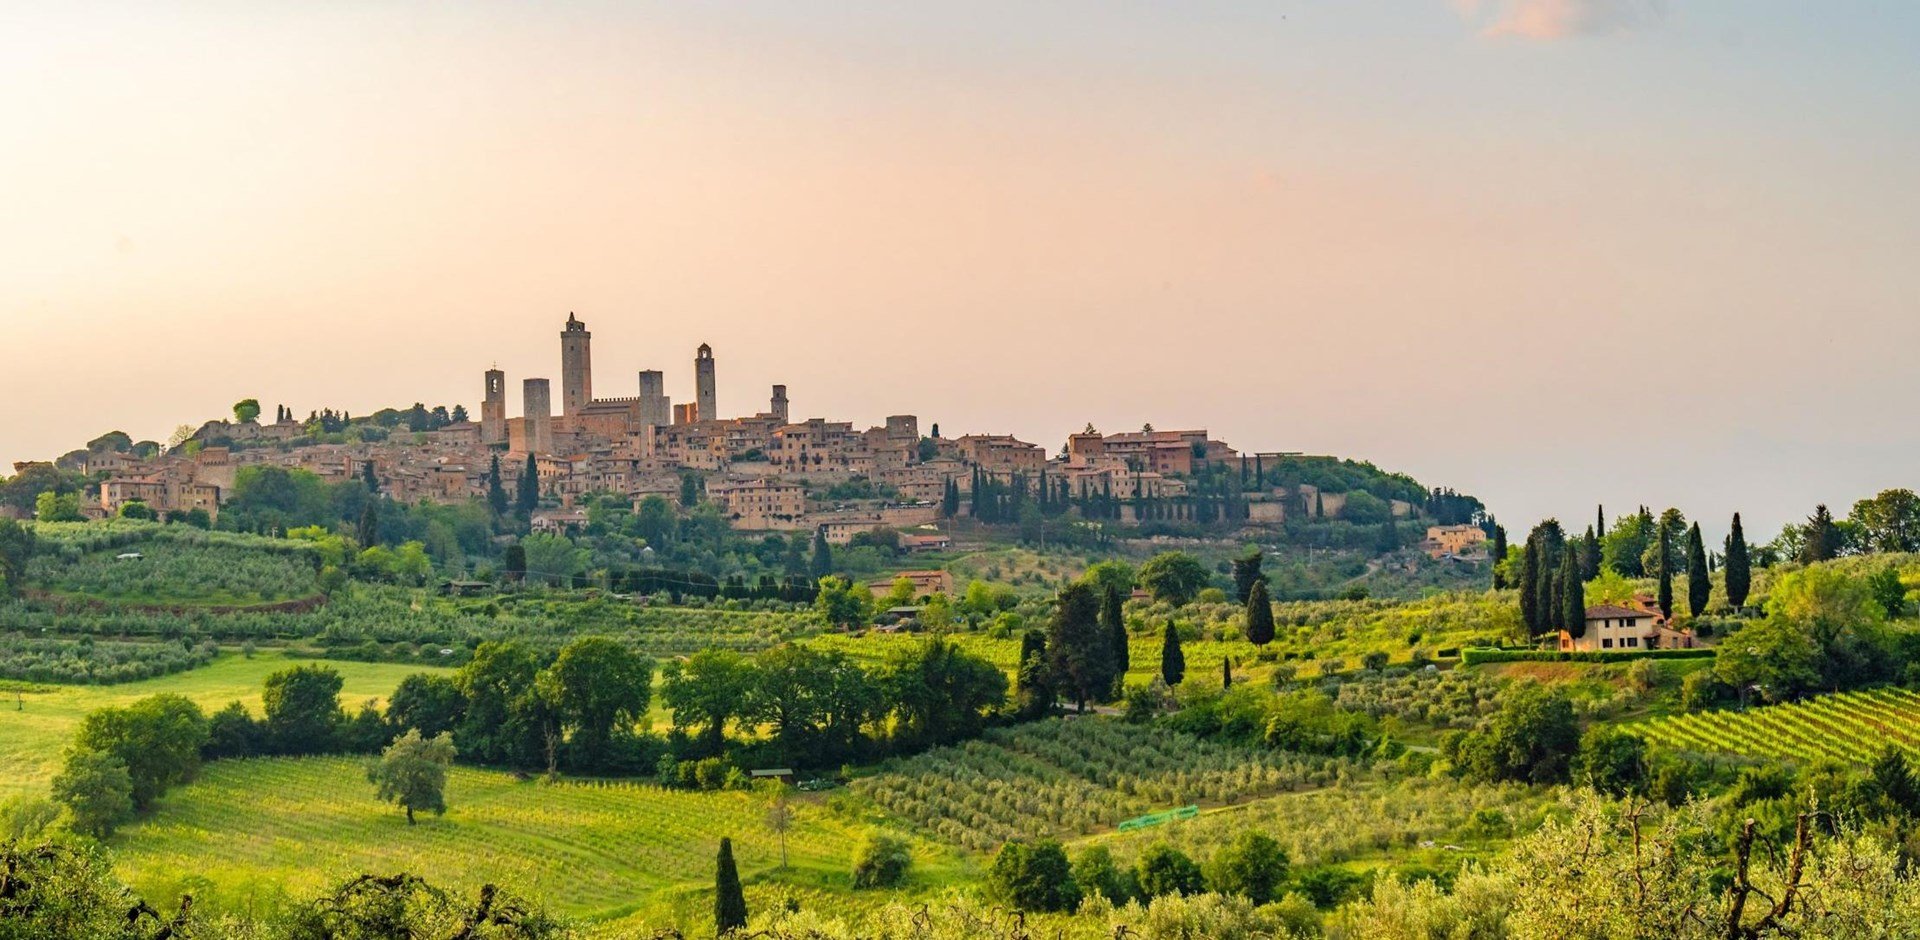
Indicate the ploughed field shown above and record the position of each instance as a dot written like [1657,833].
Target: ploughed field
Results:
[1851,727]
[251,831]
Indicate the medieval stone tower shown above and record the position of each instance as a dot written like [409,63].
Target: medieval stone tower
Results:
[704,397]
[537,403]
[655,409]
[493,409]
[779,409]
[576,368]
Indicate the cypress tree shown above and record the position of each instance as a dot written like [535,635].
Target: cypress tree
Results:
[1113,620]
[1246,571]
[1259,615]
[1079,649]
[515,562]
[1573,596]
[496,490]
[368,477]
[1499,556]
[1666,573]
[529,495]
[822,555]
[1738,566]
[369,529]
[1529,573]
[729,900]
[1699,579]
[1173,663]
[1319,506]
[1226,673]
[1590,556]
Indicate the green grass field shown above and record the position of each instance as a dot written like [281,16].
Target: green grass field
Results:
[37,724]
[249,831]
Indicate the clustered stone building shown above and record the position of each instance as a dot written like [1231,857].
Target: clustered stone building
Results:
[766,471]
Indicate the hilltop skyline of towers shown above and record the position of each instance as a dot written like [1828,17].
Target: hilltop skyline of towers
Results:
[539,424]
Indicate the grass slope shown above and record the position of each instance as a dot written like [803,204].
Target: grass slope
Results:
[249,831]
[38,723]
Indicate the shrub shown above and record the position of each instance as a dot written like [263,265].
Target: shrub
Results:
[881,861]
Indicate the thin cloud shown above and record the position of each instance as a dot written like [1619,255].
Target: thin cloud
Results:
[1547,20]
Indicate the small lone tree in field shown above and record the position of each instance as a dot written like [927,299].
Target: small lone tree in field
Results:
[412,772]
[1173,663]
[779,816]
[1259,615]
[729,900]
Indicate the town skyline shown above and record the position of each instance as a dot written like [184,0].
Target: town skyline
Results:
[1424,234]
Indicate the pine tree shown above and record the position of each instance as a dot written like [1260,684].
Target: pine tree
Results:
[1665,573]
[529,491]
[1823,537]
[1113,619]
[1259,615]
[1173,663]
[1699,579]
[1738,566]
[496,490]
[1080,652]
[729,900]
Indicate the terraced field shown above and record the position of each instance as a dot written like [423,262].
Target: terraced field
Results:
[249,831]
[1851,727]
[1072,777]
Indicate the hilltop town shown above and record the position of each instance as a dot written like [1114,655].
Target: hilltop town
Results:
[766,471]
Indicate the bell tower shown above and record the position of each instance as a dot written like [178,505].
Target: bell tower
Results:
[576,367]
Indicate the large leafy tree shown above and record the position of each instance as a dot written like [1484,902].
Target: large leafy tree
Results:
[1532,739]
[1253,866]
[1626,544]
[497,683]
[302,706]
[595,686]
[412,773]
[1889,522]
[1738,567]
[1080,653]
[16,549]
[940,693]
[96,790]
[1174,577]
[705,692]
[1669,543]
[1033,877]
[157,738]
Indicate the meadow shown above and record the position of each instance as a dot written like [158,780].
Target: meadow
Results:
[37,721]
[1850,727]
[249,832]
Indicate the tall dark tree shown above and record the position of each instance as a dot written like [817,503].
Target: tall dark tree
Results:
[1033,688]
[1113,620]
[1246,572]
[1699,579]
[369,531]
[1590,556]
[729,899]
[1226,672]
[368,477]
[1079,652]
[1739,566]
[1259,615]
[1540,575]
[1822,542]
[529,494]
[1499,556]
[1173,663]
[496,489]
[1664,572]
[822,563]
[515,562]
[1571,615]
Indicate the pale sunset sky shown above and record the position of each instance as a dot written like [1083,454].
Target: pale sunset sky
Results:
[1549,252]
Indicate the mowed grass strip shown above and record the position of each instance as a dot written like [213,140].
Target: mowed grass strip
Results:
[38,724]
[266,827]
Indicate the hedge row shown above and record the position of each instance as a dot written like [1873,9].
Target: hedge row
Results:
[1474,657]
